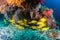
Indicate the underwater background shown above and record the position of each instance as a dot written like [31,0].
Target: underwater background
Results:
[9,32]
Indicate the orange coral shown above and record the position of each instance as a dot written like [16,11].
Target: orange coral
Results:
[3,5]
[15,2]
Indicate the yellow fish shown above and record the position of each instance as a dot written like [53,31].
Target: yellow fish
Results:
[33,21]
[40,23]
[43,19]
[12,22]
[19,27]
[25,21]
[20,22]
[45,29]
[41,26]
[5,21]
[34,27]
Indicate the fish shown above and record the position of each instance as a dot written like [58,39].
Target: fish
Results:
[5,21]
[45,29]
[19,27]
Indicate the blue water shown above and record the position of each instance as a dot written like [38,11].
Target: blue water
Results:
[55,5]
